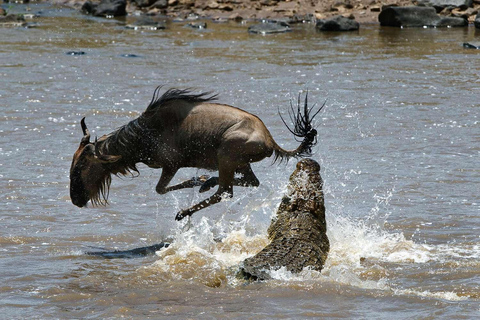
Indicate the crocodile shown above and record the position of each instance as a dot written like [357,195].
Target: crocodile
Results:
[298,231]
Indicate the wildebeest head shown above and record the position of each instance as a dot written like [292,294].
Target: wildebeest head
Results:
[89,174]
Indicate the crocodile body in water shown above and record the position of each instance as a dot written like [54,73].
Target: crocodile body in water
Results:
[298,232]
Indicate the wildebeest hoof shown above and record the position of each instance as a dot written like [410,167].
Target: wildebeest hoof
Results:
[182,214]
[194,182]
[209,184]
[201,180]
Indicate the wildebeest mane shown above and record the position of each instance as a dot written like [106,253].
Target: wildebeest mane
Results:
[125,142]
[177,94]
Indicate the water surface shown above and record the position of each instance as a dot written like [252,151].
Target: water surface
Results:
[399,143]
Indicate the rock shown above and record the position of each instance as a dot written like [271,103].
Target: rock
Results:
[414,16]
[269,27]
[30,16]
[341,7]
[12,20]
[75,53]
[477,21]
[160,4]
[143,3]
[106,8]
[439,5]
[234,17]
[408,17]
[298,232]
[469,45]
[268,2]
[197,25]
[146,23]
[452,22]
[192,16]
[129,55]
[338,23]
[286,7]
[306,18]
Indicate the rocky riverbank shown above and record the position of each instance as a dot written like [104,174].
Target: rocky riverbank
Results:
[363,11]
[327,14]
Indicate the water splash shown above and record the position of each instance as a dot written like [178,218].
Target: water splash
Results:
[197,255]
[361,256]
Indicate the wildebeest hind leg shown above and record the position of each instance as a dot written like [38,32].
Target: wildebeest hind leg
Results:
[165,178]
[246,177]
[225,181]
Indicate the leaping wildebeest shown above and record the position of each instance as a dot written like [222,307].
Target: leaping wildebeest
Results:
[180,129]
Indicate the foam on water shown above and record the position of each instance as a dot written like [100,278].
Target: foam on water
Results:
[196,255]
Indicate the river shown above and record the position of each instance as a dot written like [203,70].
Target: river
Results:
[399,146]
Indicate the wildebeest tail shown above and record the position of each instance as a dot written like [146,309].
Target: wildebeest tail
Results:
[302,129]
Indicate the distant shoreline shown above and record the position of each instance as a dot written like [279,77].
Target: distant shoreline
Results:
[363,11]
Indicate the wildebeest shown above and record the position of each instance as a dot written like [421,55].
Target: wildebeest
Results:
[181,129]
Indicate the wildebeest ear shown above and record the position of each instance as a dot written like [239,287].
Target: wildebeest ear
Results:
[104,158]
[108,158]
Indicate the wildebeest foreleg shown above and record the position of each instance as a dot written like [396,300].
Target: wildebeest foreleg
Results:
[193,182]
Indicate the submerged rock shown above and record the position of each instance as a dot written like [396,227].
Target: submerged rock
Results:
[146,23]
[298,232]
[106,8]
[75,53]
[413,16]
[338,23]
[469,45]
[269,27]
[12,20]
[129,55]
[197,25]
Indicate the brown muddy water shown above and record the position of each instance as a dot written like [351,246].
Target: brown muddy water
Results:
[399,145]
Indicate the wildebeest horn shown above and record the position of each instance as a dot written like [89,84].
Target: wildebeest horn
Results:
[86,133]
